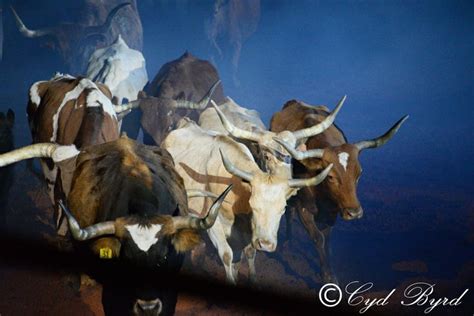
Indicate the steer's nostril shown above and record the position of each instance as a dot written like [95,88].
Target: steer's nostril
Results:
[265,244]
[148,307]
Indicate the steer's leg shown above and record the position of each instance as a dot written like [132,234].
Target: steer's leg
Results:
[219,240]
[320,238]
[250,254]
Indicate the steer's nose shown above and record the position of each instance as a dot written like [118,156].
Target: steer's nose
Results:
[147,308]
[265,245]
[352,213]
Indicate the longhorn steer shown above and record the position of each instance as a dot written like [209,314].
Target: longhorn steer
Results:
[100,24]
[130,203]
[318,206]
[208,161]
[68,110]
[184,79]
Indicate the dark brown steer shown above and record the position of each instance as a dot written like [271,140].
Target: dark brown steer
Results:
[125,201]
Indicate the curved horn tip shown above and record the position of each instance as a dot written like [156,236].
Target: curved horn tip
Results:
[382,140]
[211,217]
[328,169]
[341,102]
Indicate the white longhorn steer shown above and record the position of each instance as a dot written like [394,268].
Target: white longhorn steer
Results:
[121,68]
[249,221]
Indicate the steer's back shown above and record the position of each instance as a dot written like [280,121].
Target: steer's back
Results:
[198,161]
[107,178]
[56,109]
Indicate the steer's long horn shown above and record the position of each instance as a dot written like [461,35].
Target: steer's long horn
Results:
[297,154]
[42,150]
[234,130]
[321,127]
[101,29]
[300,183]
[93,231]
[247,176]
[181,222]
[201,105]
[379,141]
[125,107]
[30,33]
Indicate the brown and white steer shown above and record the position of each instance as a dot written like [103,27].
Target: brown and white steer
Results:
[125,200]
[319,206]
[70,111]
[209,161]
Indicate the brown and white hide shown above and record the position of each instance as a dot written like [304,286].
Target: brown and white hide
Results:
[68,110]
[318,206]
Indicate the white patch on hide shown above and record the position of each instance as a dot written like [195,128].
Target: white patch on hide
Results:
[58,76]
[98,99]
[343,158]
[34,94]
[144,237]
[94,96]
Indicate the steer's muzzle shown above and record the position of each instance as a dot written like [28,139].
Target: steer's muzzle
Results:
[352,213]
[264,245]
[147,308]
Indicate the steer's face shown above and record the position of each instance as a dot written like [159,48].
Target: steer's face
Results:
[153,243]
[268,203]
[341,183]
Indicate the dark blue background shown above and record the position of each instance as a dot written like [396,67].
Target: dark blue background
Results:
[390,57]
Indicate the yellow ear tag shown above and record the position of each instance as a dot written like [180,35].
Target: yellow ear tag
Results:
[105,253]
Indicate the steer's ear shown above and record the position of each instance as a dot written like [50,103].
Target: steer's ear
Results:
[185,239]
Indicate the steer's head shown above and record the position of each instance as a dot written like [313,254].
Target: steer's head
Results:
[273,156]
[74,42]
[149,240]
[269,194]
[340,185]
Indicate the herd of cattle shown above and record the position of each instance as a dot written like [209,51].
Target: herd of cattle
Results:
[208,164]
